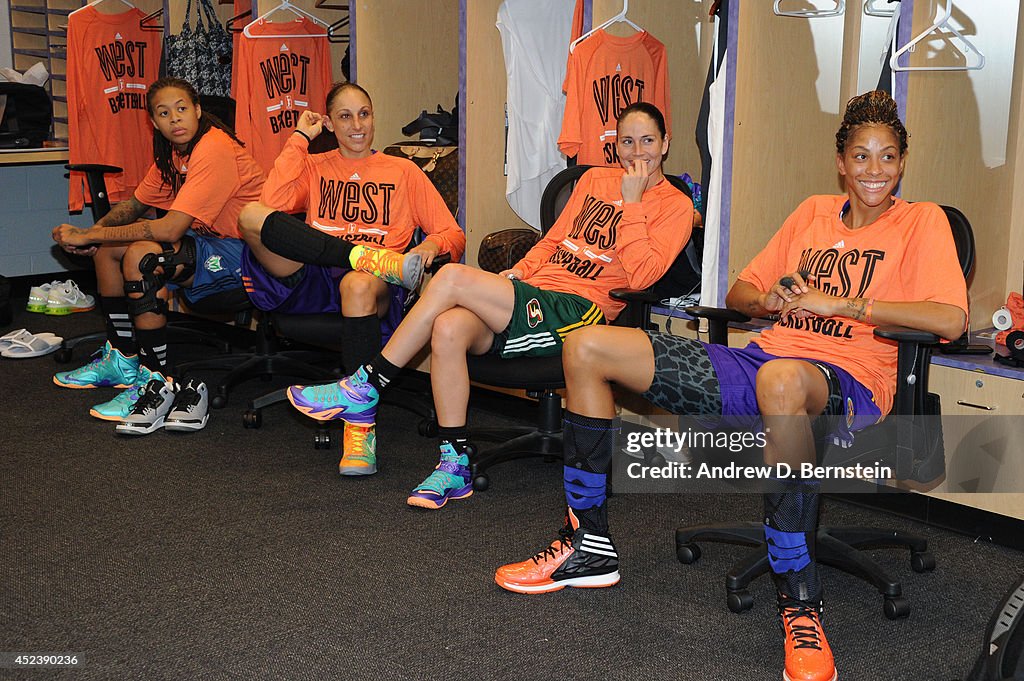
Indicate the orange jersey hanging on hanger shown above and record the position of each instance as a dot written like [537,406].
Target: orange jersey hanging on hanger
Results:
[278,79]
[606,74]
[111,62]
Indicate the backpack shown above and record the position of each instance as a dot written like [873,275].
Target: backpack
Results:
[26,118]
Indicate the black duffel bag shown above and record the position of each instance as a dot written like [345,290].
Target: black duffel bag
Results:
[27,117]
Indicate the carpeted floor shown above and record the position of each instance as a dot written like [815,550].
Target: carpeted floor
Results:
[234,553]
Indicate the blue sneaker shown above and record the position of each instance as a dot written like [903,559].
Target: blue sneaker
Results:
[118,408]
[351,399]
[450,480]
[112,369]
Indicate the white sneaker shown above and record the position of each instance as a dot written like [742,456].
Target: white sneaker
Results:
[67,298]
[155,400]
[191,408]
[38,295]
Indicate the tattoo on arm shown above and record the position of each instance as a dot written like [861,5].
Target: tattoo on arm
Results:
[856,307]
[123,213]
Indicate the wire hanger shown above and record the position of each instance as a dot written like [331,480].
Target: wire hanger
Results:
[286,5]
[836,11]
[621,16]
[97,2]
[941,23]
[872,10]
[148,22]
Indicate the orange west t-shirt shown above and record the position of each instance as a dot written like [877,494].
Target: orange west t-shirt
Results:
[605,74]
[278,79]
[907,255]
[111,62]
[598,244]
[220,178]
[380,199]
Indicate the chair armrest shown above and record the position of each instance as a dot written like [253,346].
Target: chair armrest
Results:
[719,319]
[905,334]
[440,261]
[632,295]
[94,168]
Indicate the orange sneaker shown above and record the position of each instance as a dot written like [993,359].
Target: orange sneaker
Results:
[391,266]
[577,558]
[808,656]
[359,451]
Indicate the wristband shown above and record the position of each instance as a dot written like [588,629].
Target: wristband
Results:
[867,309]
[308,138]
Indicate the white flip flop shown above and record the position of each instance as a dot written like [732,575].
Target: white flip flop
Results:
[31,345]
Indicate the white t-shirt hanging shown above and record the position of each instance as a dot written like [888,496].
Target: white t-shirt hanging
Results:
[535,41]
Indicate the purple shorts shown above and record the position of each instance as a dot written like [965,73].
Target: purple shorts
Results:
[316,293]
[736,369]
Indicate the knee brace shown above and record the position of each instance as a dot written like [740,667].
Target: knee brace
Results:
[152,280]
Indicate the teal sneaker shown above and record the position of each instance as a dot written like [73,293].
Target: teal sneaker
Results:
[118,408]
[450,480]
[111,369]
[351,399]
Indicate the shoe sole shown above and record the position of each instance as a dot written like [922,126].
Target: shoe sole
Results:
[185,426]
[36,308]
[593,582]
[124,428]
[411,279]
[91,386]
[103,417]
[332,414]
[787,677]
[433,505]
[355,471]
[62,311]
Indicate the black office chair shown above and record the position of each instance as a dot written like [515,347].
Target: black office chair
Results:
[540,377]
[182,328]
[918,455]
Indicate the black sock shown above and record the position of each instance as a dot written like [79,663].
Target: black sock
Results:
[790,527]
[292,238]
[360,340]
[456,436]
[119,324]
[380,372]
[588,443]
[153,348]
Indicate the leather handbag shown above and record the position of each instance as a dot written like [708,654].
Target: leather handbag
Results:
[500,250]
[441,164]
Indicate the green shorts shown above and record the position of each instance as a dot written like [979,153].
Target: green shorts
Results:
[541,320]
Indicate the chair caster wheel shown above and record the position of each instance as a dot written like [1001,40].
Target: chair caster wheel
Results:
[481,483]
[896,608]
[219,401]
[688,554]
[252,418]
[922,562]
[740,601]
[322,439]
[427,427]
[62,356]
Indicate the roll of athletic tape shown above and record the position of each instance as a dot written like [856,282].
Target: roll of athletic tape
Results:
[1002,319]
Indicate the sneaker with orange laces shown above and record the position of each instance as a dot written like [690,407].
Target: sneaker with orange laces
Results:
[579,558]
[393,267]
[808,656]
[359,451]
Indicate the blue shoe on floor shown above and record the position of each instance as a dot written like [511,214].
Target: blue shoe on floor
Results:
[111,369]
[351,399]
[450,480]
[118,408]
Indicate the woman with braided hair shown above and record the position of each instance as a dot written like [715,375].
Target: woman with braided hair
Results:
[839,266]
[202,177]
